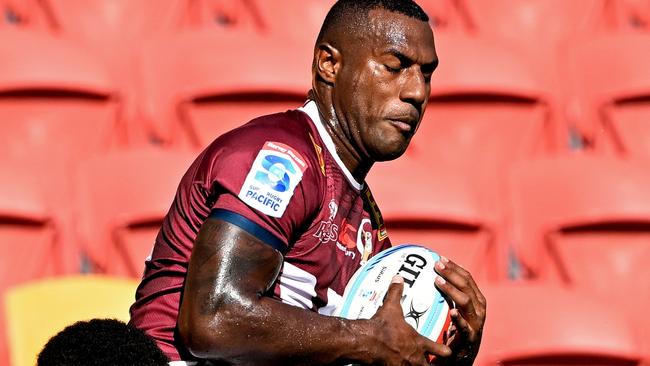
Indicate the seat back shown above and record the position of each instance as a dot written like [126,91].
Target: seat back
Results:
[541,324]
[95,20]
[546,22]
[57,107]
[39,310]
[485,112]
[24,14]
[611,108]
[439,209]
[122,198]
[583,221]
[192,94]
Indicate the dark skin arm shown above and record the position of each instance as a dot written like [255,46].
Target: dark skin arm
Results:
[225,316]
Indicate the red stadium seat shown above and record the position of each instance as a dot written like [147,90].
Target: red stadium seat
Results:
[95,20]
[536,23]
[584,221]
[548,325]
[610,84]
[56,101]
[487,108]
[193,93]
[447,15]
[440,206]
[121,200]
[630,15]
[23,14]
[236,14]
[31,236]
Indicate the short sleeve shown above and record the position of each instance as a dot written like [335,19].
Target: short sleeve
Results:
[266,186]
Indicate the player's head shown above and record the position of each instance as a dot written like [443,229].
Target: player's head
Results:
[101,342]
[375,59]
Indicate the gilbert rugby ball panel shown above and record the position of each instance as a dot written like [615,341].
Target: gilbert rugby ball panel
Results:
[424,307]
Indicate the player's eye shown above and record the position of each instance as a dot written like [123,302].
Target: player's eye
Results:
[392,69]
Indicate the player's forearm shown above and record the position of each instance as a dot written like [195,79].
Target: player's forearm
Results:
[267,332]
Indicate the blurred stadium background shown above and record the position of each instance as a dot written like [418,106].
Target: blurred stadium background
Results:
[530,168]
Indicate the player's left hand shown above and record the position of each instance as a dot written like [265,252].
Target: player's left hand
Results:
[468,317]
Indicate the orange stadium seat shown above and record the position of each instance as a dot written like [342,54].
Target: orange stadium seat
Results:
[487,108]
[440,206]
[537,324]
[38,310]
[192,92]
[584,221]
[56,101]
[610,88]
[122,198]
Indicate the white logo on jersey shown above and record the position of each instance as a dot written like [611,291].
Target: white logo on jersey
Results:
[270,183]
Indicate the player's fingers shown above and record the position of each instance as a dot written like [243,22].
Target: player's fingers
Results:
[435,349]
[457,275]
[462,276]
[462,326]
[394,293]
[459,298]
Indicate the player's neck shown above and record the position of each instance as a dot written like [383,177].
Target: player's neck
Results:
[351,158]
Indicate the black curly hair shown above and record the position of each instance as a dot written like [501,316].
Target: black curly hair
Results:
[101,342]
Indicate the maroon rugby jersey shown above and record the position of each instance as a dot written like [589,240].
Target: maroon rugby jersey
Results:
[279,178]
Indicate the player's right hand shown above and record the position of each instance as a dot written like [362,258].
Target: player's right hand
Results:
[397,343]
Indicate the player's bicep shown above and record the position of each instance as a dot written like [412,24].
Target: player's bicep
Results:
[229,269]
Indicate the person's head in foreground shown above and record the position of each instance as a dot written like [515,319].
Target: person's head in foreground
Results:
[101,342]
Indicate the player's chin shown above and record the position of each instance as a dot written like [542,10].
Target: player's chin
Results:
[391,149]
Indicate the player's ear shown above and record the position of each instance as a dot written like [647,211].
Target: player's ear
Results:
[328,62]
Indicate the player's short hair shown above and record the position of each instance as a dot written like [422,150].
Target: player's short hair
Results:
[354,13]
[101,342]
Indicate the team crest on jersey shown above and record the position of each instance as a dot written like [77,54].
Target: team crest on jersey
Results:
[270,183]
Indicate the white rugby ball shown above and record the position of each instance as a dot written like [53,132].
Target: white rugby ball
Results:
[423,305]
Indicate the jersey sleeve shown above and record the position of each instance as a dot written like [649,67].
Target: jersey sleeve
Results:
[267,185]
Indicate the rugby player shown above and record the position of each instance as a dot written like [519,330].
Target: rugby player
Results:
[273,218]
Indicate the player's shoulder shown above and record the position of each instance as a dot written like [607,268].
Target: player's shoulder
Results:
[292,128]
[281,136]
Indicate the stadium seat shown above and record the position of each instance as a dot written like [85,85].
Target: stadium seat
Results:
[610,88]
[447,16]
[93,20]
[233,14]
[23,14]
[121,200]
[536,23]
[31,236]
[440,206]
[630,15]
[541,324]
[55,107]
[192,92]
[38,310]
[487,108]
[584,221]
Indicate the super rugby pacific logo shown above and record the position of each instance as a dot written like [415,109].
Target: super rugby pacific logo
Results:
[273,176]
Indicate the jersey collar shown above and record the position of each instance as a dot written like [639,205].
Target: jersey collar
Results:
[311,110]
